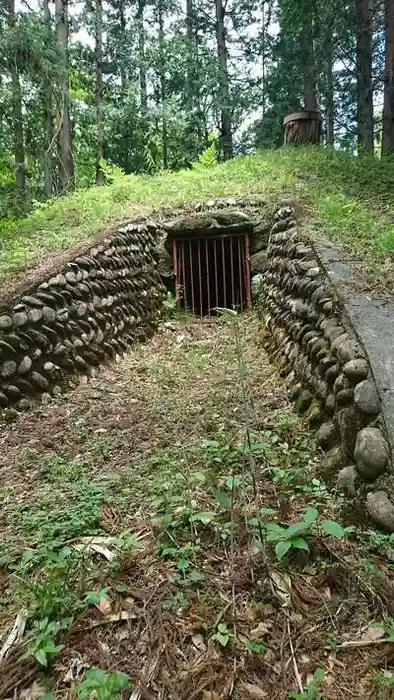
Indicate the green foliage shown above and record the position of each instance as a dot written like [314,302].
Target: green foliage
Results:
[209,157]
[293,537]
[222,634]
[101,685]
[312,690]
[42,645]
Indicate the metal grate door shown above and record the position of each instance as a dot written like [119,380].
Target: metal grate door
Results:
[212,272]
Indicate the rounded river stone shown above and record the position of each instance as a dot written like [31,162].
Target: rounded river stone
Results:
[24,365]
[366,398]
[381,510]
[35,315]
[39,380]
[350,422]
[5,323]
[356,370]
[304,400]
[19,319]
[8,368]
[326,435]
[371,453]
[347,478]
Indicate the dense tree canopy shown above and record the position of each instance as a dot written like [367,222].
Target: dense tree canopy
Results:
[89,89]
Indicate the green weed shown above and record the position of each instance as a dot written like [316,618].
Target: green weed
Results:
[295,536]
[312,690]
[101,685]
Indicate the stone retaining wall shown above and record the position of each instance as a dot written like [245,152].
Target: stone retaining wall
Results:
[86,313]
[325,366]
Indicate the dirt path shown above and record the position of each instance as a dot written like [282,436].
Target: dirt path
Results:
[145,534]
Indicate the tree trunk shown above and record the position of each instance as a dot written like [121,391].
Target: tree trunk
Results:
[226,140]
[163,84]
[121,54]
[17,118]
[48,118]
[100,175]
[308,54]
[302,128]
[141,53]
[388,107]
[190,80]
[330,105]
[263,56]
[124,128]
[364,34]
[66,161]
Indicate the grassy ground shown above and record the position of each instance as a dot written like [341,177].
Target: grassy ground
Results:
[146,546]
[349,199]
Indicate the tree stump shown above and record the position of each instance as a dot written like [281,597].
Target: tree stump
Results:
[302,128]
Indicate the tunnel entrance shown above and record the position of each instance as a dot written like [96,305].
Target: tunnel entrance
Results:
[211,272]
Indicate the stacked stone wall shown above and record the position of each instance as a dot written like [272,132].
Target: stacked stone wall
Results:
[324,364]
[88,312]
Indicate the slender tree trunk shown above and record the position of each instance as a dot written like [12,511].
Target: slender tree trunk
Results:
[48,118]
[141,54]
[122,53]
[66,161]
[162,84]
[17,119]
[310,98]
[263,55]
[225,117]
[330,106]
[364,34]
[100,175]
[190,80]
[388,107]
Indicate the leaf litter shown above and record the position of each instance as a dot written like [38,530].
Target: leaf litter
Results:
[183,470]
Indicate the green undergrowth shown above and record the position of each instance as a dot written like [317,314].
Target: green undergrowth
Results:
[207,529]
[348,199]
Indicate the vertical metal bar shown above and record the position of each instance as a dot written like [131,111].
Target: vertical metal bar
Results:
[215,258]
[224,275]
[231,240]
[241,276]
[184,276]
[208,280]
[247,271]
[199,274]
[191,273]
[179,268]
[175,263]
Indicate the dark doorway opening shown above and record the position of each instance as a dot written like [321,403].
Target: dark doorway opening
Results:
[212,272]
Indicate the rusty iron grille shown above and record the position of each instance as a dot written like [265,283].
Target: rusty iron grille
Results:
[212,272]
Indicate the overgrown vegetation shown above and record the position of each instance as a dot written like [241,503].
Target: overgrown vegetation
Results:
[346,198]
[167,528]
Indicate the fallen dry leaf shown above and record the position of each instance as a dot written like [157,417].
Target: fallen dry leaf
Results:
[372,634]
[261,630]
[14,636]
[211,695]
[198,642]
[254,692]
[104,606]
[33,693]
[282,586]
[122,616]
[99,545]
